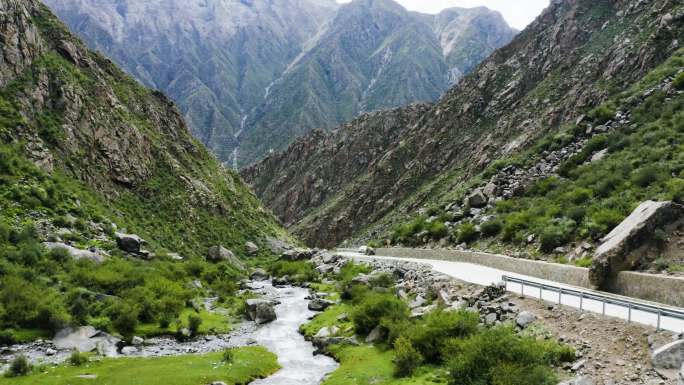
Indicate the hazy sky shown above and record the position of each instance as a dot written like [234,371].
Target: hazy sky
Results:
[518,13]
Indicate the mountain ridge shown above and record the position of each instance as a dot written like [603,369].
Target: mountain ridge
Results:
[254,93]
[572,58]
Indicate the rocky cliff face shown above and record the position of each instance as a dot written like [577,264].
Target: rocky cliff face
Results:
[82,120]
[575,55]
[252,76]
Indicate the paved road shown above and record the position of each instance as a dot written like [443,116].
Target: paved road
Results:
[483,275]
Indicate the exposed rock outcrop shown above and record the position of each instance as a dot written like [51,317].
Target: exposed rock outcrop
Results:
[260,311]
[627,245]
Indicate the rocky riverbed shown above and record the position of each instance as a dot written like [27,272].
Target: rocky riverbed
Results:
[281,336]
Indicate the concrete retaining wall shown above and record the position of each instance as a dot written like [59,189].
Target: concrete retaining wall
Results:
[656,288]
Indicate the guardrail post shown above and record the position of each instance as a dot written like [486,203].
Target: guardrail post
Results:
[582,302]
[658,324]
[603,301]
[629,313]
[522,288]
[541,297]
[560,295]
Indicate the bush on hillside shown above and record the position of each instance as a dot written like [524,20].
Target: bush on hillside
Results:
[406,358]
[499,356]
[467,233]
[491,228]
[430,334]
[376,308]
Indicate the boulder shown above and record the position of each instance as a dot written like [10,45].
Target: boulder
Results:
[221,254]
[490,190]
[86,339]
[277,246]
[77,254]
[327,332]
[524,319]
[319,304]
[129,242]
[297,255]
[260,311]
[259,275]
[376,335]
[251,248]
[670,356]
[477,199]
[366,250]
[625,246]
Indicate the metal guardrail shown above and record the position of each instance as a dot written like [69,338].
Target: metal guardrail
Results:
[605,300]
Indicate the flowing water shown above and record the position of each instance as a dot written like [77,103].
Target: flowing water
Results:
[295,354]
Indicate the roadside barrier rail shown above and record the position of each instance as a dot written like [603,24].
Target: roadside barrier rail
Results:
[658,311]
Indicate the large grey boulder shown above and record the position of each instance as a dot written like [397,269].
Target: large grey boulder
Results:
[524,319]
[625,246]
[670,356]
[86,339]
[260,311]
[477,199]
[297,255]
[319,304]
[259,275]
[251,248]
[221,254]
[129,242]
[77,254]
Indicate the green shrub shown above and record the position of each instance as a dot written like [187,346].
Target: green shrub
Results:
[77,358]
[194,322]
[438,230]
[228,356]
[584,262]
[647,175]
[467,233]
[603,221]
[602,113]
[678,81]
[375,308]
[406,359]
[297,271]
[19,366]
[430,334]
[499,356]
[491,228]
[382,280]
[124,320]
[555,234]
[7,337]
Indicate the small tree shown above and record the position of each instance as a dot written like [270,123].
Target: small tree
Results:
[77,358]
[407,358]
[194,322]
[20,366]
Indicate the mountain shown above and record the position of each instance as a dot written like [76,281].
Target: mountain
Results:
[215,58]
[514,121]
[82,140]
[250,76]
[372,55]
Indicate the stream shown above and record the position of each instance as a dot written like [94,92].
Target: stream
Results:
[296,355]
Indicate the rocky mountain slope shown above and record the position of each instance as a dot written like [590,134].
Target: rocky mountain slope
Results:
[215,58]
[575,56]
[82,142]
[255,75]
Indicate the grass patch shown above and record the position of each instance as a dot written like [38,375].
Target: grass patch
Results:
[371,365]
[248,364]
